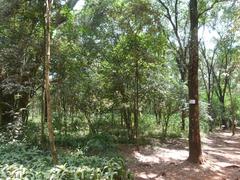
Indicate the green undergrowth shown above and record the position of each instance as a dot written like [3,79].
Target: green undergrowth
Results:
[22,161]
[101,143]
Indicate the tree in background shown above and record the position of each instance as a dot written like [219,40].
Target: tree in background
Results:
[178,37]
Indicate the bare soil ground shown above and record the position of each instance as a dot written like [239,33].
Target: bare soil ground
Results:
[221,152]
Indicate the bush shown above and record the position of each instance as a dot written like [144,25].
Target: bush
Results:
[99,144]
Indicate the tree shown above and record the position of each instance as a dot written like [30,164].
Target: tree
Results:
[20,57]
[179,23]
[48,4]
[207,68]
[22,22]
[223,70]
[217,62]
[195,151]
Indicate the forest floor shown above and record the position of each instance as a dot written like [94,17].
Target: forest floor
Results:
[161,161]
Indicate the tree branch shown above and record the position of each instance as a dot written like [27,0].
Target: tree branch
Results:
[210,7]
[174,26]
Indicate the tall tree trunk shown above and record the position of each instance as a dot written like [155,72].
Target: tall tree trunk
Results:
[195,151]
[136,103]
[47,83]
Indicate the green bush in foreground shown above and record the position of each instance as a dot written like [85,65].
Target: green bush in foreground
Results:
[18,161]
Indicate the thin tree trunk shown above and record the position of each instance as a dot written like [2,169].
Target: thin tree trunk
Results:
[128,122]
[43,105]
[184,112]
[43,117]
[65,112]
[183,116]
[156,116]
[122,117]
[223,112]
[136,103]
[59,104]
[232,111]
[195,151]
[210,119]
[47,83]
[92,130]
[33,108]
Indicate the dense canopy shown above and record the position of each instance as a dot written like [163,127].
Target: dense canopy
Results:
[88,85]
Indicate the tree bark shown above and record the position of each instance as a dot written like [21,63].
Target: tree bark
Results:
[47,83]
[195,151]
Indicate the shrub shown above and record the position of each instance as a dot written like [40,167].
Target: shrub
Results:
[20,161]
[99,144]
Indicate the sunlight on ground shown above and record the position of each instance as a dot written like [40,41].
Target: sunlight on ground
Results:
[221,151]
[207,141]
[162,155]
[146,158]
[145,175]
[172,154]
[230,142]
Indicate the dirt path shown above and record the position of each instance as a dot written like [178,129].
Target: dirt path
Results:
[167,161]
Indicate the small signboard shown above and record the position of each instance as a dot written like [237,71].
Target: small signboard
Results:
[192,101]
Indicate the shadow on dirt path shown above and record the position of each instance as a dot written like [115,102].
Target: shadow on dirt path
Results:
[168,161]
